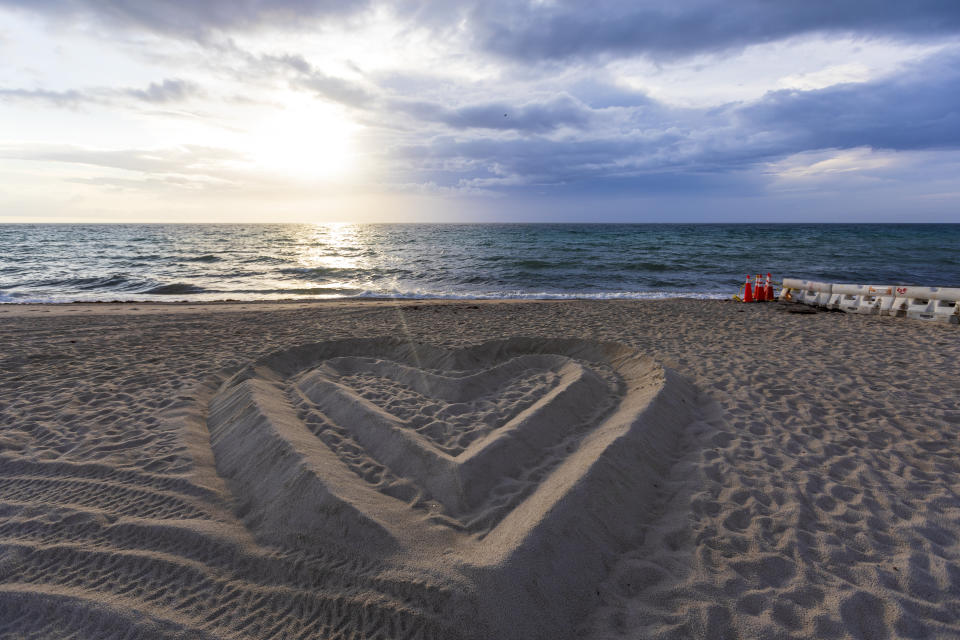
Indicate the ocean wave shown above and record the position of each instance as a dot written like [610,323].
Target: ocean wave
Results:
[113,282]
[307,271]
[338,292]
[264,260]
[116,281]
[655,267]
[319,274]
[209,257]
[321,291]
[543,264]
[176,288]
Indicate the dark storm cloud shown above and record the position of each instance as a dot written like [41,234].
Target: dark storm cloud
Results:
[167,91]
[662,29]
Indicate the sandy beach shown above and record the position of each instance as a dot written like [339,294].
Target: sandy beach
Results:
[477,469]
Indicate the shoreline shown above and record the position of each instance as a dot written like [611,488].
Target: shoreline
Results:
[126,307]
[69,308]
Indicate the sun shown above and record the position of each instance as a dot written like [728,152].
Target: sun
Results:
[305,139]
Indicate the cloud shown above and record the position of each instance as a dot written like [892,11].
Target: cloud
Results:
[71,98]
[555,30]
[170,90]
[528,101]
[300,74]
[668,29]
[167,91]
[538,161]
[598,137]
[192,18]
[186,160]
[654,146]
[816,165]
[601,94]
[916,109]
[334,88]
[532,117]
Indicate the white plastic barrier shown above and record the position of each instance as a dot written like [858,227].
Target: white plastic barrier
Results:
[826,290]
[835,294]
[919,303]
[817,294]
[876,299]
[793,288]
[946,306]
[869,299]
[899,307]
[887,299]
[914,302]
[845,297]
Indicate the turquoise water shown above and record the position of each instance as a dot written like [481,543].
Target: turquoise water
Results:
[63,263]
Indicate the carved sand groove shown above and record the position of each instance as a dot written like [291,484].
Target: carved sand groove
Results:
[192,574]
[513,471]
[250,608]
[14,467]
[114,498]
[27,611]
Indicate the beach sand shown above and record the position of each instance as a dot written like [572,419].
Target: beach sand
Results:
[482,469]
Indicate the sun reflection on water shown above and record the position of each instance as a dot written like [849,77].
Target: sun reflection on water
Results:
[333,245]
[334,256]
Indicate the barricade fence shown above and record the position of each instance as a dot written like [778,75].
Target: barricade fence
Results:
[937,304]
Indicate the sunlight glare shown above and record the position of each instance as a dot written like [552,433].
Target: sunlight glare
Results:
[306,140]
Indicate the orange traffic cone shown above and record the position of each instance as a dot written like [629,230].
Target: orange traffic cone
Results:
[747,291]
[769,289]
[758,294]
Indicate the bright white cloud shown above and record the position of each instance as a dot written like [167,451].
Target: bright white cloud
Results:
[826,77]
[804,63]
[816,164]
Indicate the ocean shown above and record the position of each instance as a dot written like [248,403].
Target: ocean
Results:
[140,262]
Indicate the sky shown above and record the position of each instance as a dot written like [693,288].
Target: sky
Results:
[484,110]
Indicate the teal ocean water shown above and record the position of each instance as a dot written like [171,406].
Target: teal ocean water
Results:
[64,263]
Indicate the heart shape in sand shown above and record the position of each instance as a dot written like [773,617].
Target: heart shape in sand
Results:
[522,462]
[467,442]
